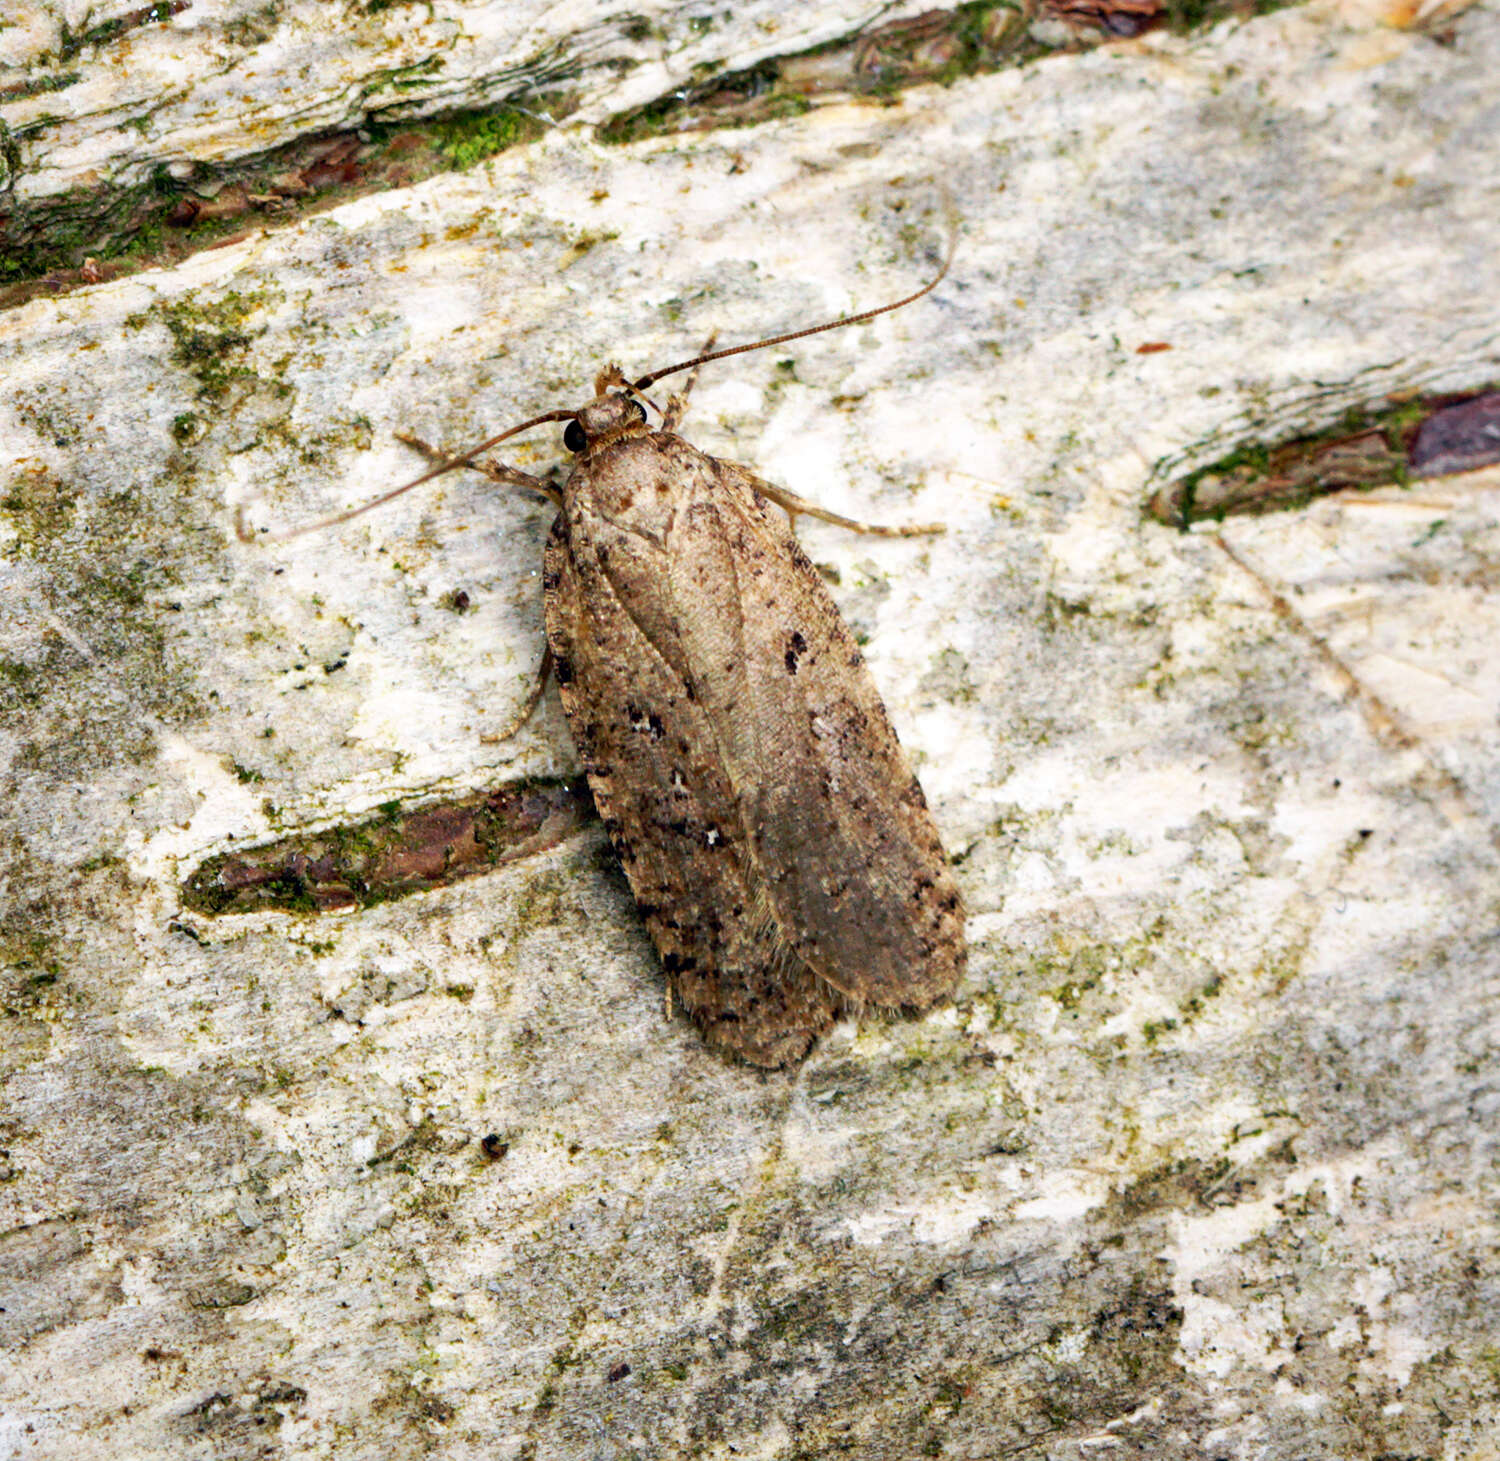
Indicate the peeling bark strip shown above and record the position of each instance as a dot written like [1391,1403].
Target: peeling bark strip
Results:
[938,45]
[391,855]
[1394,441]
[44,250]
[1458,438]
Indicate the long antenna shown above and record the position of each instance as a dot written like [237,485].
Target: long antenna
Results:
[244,533]
[868,314]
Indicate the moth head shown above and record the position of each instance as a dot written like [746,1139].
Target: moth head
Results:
[605,418]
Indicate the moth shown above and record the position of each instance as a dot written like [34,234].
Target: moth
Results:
[777,842]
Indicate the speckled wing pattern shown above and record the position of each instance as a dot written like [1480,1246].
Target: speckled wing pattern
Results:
[772,830]
[671,815]
[837,821]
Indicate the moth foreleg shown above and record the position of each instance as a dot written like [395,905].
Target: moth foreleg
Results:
[795,505]
[671,418]
[497,472]
[528,706]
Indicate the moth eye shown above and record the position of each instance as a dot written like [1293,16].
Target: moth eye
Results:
[640,410]
[573,437]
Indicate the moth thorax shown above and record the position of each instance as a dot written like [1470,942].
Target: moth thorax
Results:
[604,419]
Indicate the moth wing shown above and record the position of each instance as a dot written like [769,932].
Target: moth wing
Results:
[836,821]
[672,815]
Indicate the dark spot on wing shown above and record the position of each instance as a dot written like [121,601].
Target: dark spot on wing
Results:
[645,722]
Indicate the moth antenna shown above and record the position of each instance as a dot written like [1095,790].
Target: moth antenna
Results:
[246,534]
[868,314]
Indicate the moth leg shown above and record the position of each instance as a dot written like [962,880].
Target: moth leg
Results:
[496,471]
[528,706]
[794,505]
[671,418]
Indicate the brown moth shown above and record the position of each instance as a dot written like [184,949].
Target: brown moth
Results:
[746,771]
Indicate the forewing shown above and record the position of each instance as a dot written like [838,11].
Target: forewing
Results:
[836,820]
[810,770]
[670,811]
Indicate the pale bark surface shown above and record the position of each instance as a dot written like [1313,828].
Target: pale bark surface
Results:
[1202,1161]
